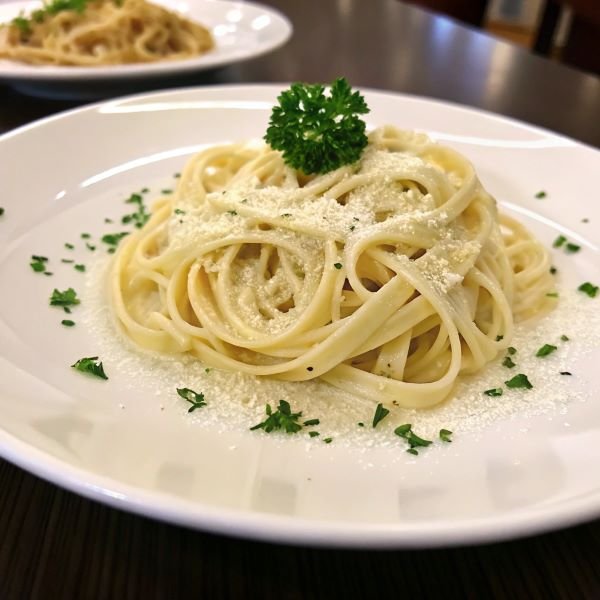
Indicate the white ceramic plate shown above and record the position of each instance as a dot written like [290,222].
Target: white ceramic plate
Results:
[242,30]
[120,443]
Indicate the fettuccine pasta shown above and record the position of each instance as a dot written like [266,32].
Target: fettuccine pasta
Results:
[388,278]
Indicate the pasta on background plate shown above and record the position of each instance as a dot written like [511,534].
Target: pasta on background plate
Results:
[102,32]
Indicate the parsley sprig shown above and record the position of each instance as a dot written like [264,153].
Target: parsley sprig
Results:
[318,133]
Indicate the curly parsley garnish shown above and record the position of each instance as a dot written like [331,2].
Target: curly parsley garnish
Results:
[318,133]
[90,365]
[196,399]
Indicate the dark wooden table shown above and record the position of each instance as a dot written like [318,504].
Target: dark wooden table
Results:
[54,544]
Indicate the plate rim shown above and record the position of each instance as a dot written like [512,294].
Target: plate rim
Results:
[267,526]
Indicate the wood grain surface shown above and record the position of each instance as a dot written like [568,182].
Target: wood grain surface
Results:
[54,544]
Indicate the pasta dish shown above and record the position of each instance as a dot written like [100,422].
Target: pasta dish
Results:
[389,277]
[102,32]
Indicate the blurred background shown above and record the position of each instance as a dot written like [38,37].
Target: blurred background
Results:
[564,30]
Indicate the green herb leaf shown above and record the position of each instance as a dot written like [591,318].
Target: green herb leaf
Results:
[66,298]
[318,133]
[194,398]
[311,422]
[545,350]
[313,433]
[414,441]
[511,350]
[508,362]
[565,373]
[559,241]
[112,239]
[69,246]
[80,268]
[338,266]
[445,435]
[589,289]
[564,338]
[572,248]
[380,413]
[283,419]
[1,211]
[541,194]
[519,381]
[552,294]
[91,366]
[67,322]
[494,392]
[327,440]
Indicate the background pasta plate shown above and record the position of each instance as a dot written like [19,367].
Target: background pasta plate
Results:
[242,30]
[121,443]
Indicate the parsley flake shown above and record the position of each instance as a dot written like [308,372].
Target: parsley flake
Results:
[589,289]
[565,373]
[64,299]
[380,413]
[545,350]
[519,381]
[113,239]
[67,322]
[281,419]
[494,392]
[194,398]
[541,194]
[445,435]
[90,365]
[508,362]
[338,266]
[414,441]
[80,268]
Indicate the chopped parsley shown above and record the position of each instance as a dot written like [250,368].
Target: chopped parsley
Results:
[38,263]
[508,362]
[85,236]
[80,268]
[64,299]
[564,338]
[553,270]
[545,350]
[327,440]
[233,213]
[90,246]
[511,350]
[281,419]
[90,365]
[166,191]
[552,294]
[139,217]
[494,392]
[445,435]
[541,194]
[178,211]
[318,133]
[588,288]
[414,441]
[519,381]
[380,413]
[194,398]
[360,424]
[1,211]
[572,248]
[313,433]
[112,239]
[338,266]
[67,322]
[69,246]
[499,338]
[67,261]
[311,422]
[559,241]
[565,373]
